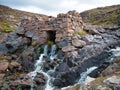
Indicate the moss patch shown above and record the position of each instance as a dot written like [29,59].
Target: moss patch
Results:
[80,32]
[6,27]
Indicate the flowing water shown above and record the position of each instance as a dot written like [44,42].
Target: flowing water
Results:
[38,67]
[84,74]
[53,51]
[39,63]
[115,53]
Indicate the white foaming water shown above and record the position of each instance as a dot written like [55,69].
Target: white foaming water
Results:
[52,52]
[38,68]
[84,74]
[116,51]
[46,50]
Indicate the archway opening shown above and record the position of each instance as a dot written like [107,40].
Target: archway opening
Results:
[51,35]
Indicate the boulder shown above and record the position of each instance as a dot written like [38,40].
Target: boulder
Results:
[89,51]
[68,49]
[91,29]
[109,70]
[78,43]
[63,43]
[28,34]
[20,31]
[14,45]
[14,65]
[3,66]
[111,81]
[40,79]
[74,87]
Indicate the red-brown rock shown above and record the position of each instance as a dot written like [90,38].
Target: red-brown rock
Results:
[3,66]
[1,78]
[68,48]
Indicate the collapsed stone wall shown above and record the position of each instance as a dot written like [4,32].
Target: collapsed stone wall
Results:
[64,25]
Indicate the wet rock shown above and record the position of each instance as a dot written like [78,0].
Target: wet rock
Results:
[4,66]
[40,79]
[118,33]
[95,73]
[68,48]
[109,39]
[89,51]
[62,67]
[117,87]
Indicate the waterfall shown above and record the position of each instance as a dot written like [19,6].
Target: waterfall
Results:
[38,67]
[52,52]
[84,74]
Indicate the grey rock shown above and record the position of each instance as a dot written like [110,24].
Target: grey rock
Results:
[29,34]
[20,31]
[117,87]
[12,46]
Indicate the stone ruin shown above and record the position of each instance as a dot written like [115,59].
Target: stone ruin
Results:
[52,28]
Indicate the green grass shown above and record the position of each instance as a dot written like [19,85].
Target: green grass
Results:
[104,16]
[1,58]
[6,27]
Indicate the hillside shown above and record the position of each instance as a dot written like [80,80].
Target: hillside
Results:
[10,18]
[105,16]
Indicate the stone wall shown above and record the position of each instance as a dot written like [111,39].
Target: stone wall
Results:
[64,25]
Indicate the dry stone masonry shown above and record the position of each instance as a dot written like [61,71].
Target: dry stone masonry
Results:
[51,28]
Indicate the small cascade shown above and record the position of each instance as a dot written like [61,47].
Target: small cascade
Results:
[46,50]
[116,51]
[38,66]
[84,74]
[52,52]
